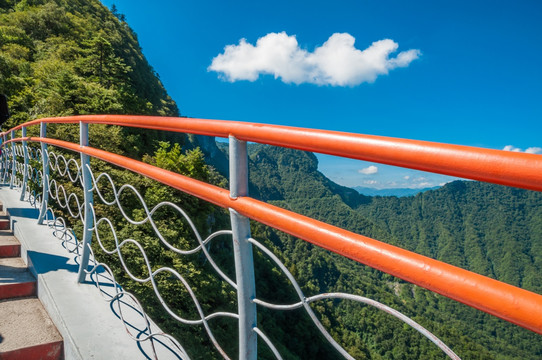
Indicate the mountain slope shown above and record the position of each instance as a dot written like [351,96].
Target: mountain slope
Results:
[493,230]
[71,57]
[74,57]
[275,176]
[489,229]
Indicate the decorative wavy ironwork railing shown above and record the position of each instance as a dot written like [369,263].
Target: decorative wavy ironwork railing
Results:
[28,163]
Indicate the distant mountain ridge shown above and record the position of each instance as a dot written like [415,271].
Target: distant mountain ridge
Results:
[399,192]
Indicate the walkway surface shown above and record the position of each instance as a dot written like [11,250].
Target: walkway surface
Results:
[89,324]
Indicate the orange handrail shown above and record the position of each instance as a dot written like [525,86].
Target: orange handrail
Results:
[495,166]
[508,302]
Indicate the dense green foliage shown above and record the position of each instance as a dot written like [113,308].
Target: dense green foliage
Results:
[211,292]
[489,229]
[69,57]
[74,57]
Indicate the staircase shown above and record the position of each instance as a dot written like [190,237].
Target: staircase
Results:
[26,331]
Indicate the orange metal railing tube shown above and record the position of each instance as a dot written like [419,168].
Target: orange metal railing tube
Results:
[508,302]
[495,166]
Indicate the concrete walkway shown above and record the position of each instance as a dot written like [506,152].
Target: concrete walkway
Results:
[89,324]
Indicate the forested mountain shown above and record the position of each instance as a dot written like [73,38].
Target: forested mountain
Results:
[74,57]
[490,229]
[67,57]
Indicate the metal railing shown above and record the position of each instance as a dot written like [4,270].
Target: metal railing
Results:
[502,300]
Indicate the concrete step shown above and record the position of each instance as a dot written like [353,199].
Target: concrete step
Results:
[9,245]
[15,279]
[27,332]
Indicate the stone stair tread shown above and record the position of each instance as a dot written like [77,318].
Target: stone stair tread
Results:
[8,239]
[14,264]
[26,330]
[26,324]
[15,279]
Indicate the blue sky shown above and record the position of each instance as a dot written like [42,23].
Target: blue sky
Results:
[463,72]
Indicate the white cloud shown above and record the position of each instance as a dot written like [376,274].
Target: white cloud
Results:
[369,170]
[534,150]
[370,182]
[511,148]
[424,184]
[337,62]
[531,150]
[420,179]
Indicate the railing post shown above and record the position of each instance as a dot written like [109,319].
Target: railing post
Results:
[5,153]
[2,159]
[13,161]
[88,198]
[45,174]
[6,160]
[244,263]
[25,176]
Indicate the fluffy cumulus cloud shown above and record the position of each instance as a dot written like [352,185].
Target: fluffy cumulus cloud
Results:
[337,62]
[531,150]
[369,170]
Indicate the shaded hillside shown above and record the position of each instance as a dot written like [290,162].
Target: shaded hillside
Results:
[279,174]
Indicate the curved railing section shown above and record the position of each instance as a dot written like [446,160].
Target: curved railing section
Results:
[28,167]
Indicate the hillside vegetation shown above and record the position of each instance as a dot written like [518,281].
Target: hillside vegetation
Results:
[490,229]
[74,57]
[69,57]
